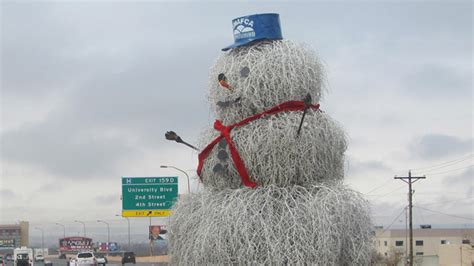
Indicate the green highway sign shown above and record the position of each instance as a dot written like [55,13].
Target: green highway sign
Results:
[148,196]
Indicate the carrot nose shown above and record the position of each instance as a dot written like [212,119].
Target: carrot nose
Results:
[224,84]
[223,81]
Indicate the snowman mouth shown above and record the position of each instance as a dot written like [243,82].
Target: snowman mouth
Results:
[229,103]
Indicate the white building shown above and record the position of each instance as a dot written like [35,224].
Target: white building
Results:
[430,246]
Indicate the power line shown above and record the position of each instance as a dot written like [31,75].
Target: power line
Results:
[383,195]
[403,210]
[386,211]
[431,239]
[456,216]
[438,191]
[448,201]
[384,184]
[452,170]
[436,165]
[446,165]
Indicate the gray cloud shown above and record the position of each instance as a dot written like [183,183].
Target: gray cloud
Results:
[357,167]
[465,178]
[9,201]
[38,48]
[434,81]
[48,188]
[117,94]
[436,146]
[65,149]
[470,192]
[99,120]
[7,195]
[107,199]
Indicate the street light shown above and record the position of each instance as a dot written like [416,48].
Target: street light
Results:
[128,221]
[187,176]
[42,240]
[108,230]
[64,229]
[83,224]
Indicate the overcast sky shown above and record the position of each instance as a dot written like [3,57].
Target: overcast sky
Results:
[88,90]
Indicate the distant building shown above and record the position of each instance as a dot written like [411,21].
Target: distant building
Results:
[453,255]
[14,235]
[430,246]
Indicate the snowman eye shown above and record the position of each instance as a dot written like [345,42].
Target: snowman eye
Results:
[221,77]
[244,72]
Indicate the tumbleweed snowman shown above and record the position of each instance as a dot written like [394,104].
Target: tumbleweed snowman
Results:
[272,164]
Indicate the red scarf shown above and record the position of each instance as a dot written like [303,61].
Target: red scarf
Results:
[225,133]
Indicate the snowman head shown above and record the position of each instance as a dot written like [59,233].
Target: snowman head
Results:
[253,78]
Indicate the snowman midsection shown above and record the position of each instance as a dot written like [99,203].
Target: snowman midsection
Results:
[226,226]
[273,154]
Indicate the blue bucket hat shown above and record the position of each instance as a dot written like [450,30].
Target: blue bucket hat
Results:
[255,27]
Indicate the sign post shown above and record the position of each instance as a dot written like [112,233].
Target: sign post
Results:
[148,196]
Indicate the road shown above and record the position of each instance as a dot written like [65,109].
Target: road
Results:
[62,262]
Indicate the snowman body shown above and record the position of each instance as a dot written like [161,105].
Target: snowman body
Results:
[299,212]
[261,77]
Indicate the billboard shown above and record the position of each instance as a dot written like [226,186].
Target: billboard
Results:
[7,243]
[156,232]
[107,246]
[75,243]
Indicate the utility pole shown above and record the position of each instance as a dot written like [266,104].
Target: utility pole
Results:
[182,171]
[108,234]
[83,224]
[411,180]
[64,229]
[128,222]
[406,234]
[152,246]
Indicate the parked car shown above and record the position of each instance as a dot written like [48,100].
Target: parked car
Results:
[48,263]
[85,258]
[39,257]
[128,257]
[101,259]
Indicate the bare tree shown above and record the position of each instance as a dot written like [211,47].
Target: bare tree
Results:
[394,257]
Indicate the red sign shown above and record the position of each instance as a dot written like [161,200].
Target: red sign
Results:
[75,243]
